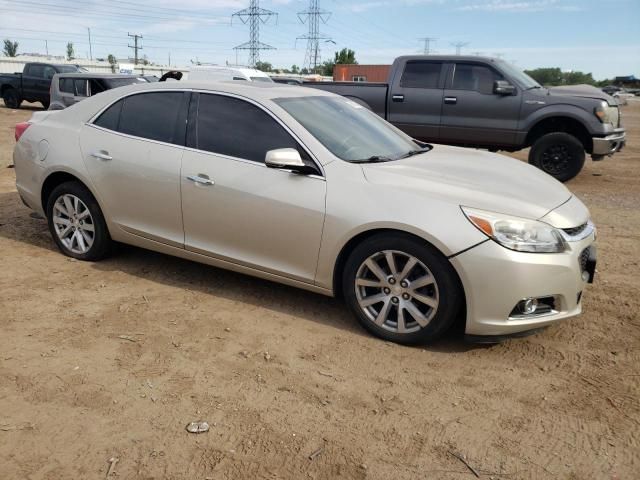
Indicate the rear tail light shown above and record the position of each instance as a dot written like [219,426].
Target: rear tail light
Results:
[20,129]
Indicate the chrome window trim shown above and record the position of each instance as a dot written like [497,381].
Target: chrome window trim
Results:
[91,123]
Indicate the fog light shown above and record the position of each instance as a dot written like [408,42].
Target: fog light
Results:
[585,276]
[528,306]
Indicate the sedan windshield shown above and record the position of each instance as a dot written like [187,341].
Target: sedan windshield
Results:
[349,130]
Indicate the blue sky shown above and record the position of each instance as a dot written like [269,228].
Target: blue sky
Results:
[599,36]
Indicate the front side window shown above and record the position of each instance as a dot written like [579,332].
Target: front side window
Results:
[234,127]
[147,115]
[421,74]
[348,130]
[477,78]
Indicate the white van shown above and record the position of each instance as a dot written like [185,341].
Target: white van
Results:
[216,73]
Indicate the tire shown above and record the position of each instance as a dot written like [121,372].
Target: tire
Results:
[71,198]
[559,154]
[11,98]
[383,319]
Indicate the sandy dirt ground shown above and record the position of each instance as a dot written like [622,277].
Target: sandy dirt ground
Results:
[111,360]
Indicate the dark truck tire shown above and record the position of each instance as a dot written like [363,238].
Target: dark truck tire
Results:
[559,154]
[11,98]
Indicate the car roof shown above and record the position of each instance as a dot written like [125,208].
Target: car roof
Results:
[96,75]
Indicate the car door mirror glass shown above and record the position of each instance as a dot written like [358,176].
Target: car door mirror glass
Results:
[502,87]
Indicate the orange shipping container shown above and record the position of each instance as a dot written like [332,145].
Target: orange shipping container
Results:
[361,73]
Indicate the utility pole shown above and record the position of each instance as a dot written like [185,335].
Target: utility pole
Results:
[135,45]
[46,46]
[313,15]
[459,46]
[254,16]
[427,44]
[90,51]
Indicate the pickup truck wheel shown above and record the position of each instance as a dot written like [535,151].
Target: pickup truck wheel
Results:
[559,154]
[11,98]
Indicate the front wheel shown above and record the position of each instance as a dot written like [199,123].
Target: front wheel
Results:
[76,222]
[401,289]
[11,98]
[559,154]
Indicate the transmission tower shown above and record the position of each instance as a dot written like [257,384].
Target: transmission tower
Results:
[427,44]
[254,16]
[135,45]
[459,46]
[313,15]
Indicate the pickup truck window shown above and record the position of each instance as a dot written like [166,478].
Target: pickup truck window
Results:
[476,78]
[421,74]
[35,71]
[347,129]
[49,72]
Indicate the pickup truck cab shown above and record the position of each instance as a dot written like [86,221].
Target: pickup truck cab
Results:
[484,102]
[32,85]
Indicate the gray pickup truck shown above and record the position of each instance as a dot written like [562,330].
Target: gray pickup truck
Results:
[487,103]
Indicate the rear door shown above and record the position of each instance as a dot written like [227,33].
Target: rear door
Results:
[472,113]
[133,152]
[236,208]
[415,97]
[34,82]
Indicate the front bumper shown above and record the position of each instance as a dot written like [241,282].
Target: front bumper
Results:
[495,279]
[610,144]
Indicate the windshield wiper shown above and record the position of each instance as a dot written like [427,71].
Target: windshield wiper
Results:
[534,87]
[411,153]
[372,159]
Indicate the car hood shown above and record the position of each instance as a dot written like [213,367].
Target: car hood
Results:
[586,91]
[473,178]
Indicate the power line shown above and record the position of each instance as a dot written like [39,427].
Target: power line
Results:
[254,15]
[427,44]
[459,46]
[135,45]
[313,15]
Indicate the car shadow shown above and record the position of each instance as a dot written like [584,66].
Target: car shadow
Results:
[18,223]
[25,106]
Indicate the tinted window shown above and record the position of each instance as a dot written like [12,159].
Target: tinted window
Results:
[421,75]
[110,117]
[474,77]
[151,115]
[49,72]
[36,71]
[233,127]
[66,85]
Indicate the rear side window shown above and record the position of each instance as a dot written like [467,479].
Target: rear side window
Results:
[66,85]
[420,74]
[147,115]
[151,115]
[74,86]
[477,78]
[230,126]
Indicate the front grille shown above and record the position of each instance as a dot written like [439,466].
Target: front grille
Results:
[572,232]
[584,259]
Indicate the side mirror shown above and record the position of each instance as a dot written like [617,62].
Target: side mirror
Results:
[502,87]
[286,159]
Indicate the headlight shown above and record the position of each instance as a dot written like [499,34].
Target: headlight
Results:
[606,113]
[517,233]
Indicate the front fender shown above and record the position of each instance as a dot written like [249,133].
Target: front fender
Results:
[587,119]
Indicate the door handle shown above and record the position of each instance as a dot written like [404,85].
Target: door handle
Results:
[201,179]
[102,155]
[397,98]
[450,100]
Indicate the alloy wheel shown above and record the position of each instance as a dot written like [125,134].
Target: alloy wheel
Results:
[556,159]
[73,223]
[396,291]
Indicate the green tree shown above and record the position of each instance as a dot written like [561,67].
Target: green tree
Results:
[264,66]
[578,78]
[345,55]
[10,48]
[70,54]
[295,69]
[326,68]
[304,71]
[554,76]
[112,61]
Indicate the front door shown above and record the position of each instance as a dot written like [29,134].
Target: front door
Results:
[237,209]
[416,99]
[133,153]
[472,114]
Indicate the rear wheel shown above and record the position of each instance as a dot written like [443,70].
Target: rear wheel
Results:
[11,98]
[559,154]
[402,289]
[76,222]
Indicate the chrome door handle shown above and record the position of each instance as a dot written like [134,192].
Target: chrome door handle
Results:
[397,98]
[200,179]
[102,155]
[450,100]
